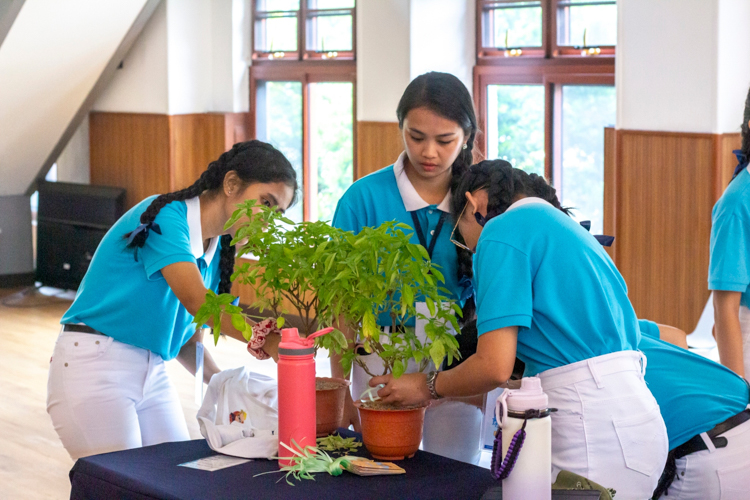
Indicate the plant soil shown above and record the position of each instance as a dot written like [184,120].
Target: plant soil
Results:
[379,405]
[327,385]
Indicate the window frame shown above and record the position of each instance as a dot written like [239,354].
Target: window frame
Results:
[555,68]
[306,72]
[303,15]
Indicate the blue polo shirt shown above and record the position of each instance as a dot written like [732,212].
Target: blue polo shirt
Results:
[130,300]
[387,195]
[729,267]
[693,392]
[538,269]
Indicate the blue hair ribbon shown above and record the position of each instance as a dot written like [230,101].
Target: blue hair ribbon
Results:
[742,162]
[604,240]
[236,301]
[143,228]
[467,288]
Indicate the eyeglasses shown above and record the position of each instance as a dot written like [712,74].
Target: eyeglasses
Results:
[453,233]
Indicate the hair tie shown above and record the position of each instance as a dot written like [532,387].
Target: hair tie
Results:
[604,240]
[741,162]
[467,288]
[143,228]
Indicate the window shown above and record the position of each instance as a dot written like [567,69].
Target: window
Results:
[303,29]
[544,87]
[302,86]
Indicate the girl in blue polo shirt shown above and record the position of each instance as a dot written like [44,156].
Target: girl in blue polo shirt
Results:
[548,293]
[729,268]
[438,125]
[701,402]
[108,388]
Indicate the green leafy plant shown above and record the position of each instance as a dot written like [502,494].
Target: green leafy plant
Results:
[308,461]
[333,277]
[337,444]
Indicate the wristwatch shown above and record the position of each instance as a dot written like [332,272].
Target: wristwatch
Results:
[431,378]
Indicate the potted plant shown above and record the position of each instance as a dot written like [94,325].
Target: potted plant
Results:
[296,263]
[382,273]
[329,276]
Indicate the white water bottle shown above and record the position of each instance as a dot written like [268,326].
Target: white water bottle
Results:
[531,476]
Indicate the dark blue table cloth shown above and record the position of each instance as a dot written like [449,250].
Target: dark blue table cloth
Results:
[152,472]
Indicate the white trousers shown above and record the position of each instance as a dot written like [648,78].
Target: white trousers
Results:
[607,427]
[451,429]
[105,396]
[722,474]
[745,328]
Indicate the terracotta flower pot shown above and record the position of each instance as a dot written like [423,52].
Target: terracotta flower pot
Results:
[330,394]
[391,434]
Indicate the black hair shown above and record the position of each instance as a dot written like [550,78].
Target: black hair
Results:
[745,130]
[254,162]
[447,96]
[503,183]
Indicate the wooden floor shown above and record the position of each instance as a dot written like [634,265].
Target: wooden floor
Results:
[33,463]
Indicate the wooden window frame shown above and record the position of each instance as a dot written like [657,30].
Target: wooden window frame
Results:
[303,15]
[549,49]
[306,72]
[558,65]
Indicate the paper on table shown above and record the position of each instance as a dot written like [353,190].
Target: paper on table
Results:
[213,463]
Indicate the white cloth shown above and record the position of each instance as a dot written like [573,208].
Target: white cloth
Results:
[607,427]
[718,475]
[452,429]
[745,328]
[239,415]
[105,396]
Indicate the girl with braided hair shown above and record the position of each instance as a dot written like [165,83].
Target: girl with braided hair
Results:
[108,388]
[548,293]
[438,127]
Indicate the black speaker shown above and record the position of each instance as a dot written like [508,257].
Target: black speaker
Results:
[71,221]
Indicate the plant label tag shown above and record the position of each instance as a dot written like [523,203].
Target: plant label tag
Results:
[214,463]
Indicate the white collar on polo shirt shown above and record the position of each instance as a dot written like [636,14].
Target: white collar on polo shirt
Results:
[412,200]
[529,200]
[196,233]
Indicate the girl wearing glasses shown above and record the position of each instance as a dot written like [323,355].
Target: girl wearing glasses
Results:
[438,125]
[548,293]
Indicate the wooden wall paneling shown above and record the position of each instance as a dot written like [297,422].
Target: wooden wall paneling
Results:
[663,222]
[236,129]
[378,145]
[195,141]
[610,193]
[725,160]
[130,150]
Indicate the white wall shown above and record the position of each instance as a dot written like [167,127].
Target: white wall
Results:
[666,65]
[48,65]
[383,60]
[73,164]
[443,38]
[140,86]
[192,57]
[733,64]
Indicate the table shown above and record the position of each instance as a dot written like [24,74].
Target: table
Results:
[152,472]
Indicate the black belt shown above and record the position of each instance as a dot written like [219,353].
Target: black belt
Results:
[81,329]
[696,443]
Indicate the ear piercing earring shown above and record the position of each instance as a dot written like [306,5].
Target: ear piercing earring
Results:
[465,147]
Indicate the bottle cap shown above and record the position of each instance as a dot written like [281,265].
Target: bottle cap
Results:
[290,338]
[529,397]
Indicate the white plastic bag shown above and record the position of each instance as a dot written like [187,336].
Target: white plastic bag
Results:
[239,415]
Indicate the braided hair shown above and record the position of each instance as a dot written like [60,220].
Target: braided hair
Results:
[447,96]
[503,183]
[254,162]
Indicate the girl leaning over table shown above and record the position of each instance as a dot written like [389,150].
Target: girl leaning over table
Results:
[108,388]
[438,125]
[703,404]
[548,293]
[729,269]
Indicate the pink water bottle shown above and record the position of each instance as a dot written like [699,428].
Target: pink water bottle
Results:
[296,373]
